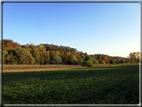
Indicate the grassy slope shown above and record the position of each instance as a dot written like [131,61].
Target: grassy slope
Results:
[100,85]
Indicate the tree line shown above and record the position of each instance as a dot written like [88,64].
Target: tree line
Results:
[14,53]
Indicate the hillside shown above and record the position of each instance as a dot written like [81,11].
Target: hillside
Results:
[15,53]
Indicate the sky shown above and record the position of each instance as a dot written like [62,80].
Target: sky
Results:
[96,28]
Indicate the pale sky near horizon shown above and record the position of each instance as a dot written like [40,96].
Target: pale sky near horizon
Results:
[96,28]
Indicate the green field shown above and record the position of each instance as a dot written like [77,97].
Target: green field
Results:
[90,85]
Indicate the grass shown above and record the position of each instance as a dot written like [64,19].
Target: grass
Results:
[90,85]
[127,63]
[20,66]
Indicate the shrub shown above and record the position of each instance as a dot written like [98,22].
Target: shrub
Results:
[89,63]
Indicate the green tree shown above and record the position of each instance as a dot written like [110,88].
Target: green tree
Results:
[80,61]
[36,55]
[95,61]
[5,53]
[56,59]
[6,57]
[24,56]
[103,62]
[13,57]
[88,57]
[99,58]
[73,60]
[41,58]
[112,61]
[46,56]
[89,63]
[83,57]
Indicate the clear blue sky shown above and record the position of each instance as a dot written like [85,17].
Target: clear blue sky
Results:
[95,28]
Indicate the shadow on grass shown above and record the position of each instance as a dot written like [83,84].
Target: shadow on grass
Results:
[111,85]
[69,73]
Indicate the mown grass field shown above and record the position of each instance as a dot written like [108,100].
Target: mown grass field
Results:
[19,67]
[90,85]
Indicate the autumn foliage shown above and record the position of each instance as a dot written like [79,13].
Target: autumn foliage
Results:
[14,53]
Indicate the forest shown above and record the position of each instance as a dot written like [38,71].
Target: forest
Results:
[15,53]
